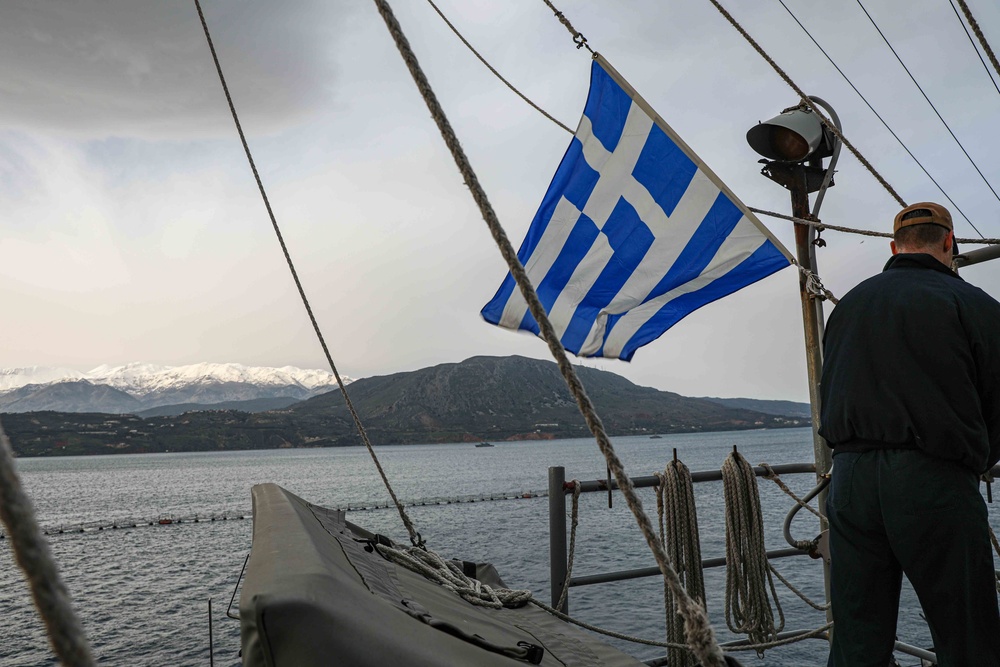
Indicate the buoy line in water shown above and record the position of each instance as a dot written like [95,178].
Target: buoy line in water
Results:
[128,523]
[451,500]
[169,520]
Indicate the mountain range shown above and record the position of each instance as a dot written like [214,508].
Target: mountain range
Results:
[482,398]
[148,389]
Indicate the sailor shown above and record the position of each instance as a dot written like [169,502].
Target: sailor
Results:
[911,407]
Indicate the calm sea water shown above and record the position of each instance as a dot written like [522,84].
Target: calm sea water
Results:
[143,592]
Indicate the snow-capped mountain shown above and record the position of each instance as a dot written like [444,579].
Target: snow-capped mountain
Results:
[29,389]
[15,378]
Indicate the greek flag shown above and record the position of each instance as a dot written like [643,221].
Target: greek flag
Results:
[634,233]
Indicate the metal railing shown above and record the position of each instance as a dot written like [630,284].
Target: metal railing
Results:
[557,526]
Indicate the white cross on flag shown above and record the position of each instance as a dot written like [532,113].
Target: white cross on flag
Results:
[633,234]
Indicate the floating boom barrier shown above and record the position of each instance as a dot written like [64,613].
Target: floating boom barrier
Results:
[128,523]
[450,500]
[169,519]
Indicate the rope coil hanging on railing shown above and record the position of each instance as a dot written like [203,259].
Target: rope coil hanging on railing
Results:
[679,534]
[748,577]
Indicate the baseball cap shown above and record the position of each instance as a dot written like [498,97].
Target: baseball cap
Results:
[923,213]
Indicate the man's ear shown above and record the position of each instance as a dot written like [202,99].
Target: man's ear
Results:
[892,246]
[949,241]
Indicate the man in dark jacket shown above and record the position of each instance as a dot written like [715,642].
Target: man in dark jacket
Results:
[911,406]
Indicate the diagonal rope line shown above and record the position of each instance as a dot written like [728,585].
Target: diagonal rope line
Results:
[578,38]
[982,41]
[940,117]
[34,558]
[414,535]
[979,33]
[495,72]
[699,631]
[812,106]
[877,115]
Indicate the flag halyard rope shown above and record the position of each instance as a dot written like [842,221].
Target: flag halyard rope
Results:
[578,38]
[495,72]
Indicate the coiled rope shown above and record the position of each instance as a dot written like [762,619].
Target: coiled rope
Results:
[697,626]
[679,534]
[415,537]
[449,574]
[431,566]
[748,577]
[34,558]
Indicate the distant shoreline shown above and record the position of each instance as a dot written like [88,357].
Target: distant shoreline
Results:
[451,443]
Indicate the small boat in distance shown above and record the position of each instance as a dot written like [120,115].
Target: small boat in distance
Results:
[484,444]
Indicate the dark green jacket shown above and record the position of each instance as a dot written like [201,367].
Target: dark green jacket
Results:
[912,359]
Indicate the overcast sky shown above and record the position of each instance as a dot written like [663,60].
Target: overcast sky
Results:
[132,229]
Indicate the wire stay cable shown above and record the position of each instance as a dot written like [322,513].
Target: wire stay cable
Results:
[920,88]
[979,33]
[986,45]
[879,116]
[809,103]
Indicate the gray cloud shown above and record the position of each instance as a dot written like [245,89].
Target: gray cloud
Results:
[98,68]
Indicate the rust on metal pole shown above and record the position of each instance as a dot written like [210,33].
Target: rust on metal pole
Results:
[814,358]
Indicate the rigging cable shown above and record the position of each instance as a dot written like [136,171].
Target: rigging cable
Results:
[948,127]
[701,636]
[877,115]
[805,99]
[979,33]
[851,230]
[813,223]
[495,72]
[415,537]
[985,44]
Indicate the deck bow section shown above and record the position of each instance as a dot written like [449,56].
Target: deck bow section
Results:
[314,596]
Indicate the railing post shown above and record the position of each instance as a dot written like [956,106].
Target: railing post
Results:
[557,535]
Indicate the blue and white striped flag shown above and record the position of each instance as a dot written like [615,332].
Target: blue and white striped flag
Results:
[634,233]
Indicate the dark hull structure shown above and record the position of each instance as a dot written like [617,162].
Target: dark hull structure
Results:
[315,596]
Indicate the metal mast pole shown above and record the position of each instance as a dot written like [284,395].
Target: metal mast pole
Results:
[802,173]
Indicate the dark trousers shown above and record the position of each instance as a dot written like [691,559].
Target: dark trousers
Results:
[899,511]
